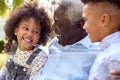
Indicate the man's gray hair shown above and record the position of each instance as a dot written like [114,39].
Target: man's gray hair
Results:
[73,9]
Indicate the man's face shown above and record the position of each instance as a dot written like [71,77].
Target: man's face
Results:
[62,27]
[93,23]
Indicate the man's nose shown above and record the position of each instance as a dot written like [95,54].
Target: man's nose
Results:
[84,27]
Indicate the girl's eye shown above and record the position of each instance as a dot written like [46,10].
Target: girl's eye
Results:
[36,32]
[25,28]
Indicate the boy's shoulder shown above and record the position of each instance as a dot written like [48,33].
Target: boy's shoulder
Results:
[113,51]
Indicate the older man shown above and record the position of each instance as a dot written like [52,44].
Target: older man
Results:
[71,52]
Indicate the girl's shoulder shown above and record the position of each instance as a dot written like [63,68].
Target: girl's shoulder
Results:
[40,55]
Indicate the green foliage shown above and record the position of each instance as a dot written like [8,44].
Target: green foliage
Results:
[2,59]
[6,10]
[1,45]
[16,3]
[3,8]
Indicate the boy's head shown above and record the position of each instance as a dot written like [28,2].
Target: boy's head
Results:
[101,18]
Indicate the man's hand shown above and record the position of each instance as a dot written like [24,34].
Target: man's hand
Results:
[115,75]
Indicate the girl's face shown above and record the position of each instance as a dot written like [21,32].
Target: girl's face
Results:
[28,34]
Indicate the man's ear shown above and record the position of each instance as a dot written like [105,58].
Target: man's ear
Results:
[106,19]
[80,25]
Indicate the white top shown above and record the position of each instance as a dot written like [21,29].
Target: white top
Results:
[108,58]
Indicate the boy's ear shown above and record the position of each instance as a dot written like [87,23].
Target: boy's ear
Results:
[106,19]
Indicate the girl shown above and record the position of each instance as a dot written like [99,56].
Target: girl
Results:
[26,29]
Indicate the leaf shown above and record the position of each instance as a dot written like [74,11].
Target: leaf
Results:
[3,8]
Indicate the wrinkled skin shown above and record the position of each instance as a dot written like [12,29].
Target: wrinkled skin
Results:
[67,33]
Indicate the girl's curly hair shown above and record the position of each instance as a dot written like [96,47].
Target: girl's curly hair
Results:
[26,11]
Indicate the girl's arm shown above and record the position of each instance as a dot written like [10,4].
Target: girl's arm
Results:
[37,64]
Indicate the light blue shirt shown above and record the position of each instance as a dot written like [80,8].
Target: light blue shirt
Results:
[70,62]
[108,58]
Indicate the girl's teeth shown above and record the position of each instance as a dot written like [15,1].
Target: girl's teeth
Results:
[27,40]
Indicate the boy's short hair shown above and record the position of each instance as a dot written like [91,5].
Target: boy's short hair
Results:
[114,2]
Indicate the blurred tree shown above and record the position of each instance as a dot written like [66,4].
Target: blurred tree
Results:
[7,6]
[3,8]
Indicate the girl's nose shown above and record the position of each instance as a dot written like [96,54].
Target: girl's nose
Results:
[29,33]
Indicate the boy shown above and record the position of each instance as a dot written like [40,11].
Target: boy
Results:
[102,23]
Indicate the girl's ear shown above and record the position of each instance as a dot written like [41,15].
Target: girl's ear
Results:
[15,30]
